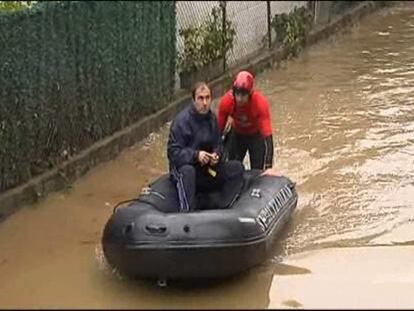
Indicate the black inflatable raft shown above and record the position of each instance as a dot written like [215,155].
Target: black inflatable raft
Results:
[148,239]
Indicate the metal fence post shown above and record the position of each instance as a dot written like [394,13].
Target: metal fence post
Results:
[312,5]
[269,22]
[315,6]
[223,10]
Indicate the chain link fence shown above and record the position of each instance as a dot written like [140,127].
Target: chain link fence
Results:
[249,19]
[250,22]
[325,11]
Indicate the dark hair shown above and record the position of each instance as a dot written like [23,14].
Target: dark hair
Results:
[197,86]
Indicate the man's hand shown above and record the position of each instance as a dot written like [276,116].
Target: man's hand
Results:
[214,158]
[203,157]
[271,172]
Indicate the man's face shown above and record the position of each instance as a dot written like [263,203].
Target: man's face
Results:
[202,99]
[241,96]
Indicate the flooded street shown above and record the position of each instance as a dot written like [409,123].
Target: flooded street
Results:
[343,118]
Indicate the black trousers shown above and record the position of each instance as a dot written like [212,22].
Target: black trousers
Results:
[238,145]
[194,179]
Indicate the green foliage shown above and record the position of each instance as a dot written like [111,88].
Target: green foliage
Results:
[72,73]
[292,29]
[206,43]
[12,6]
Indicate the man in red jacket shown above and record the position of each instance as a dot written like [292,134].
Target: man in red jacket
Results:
[251,126]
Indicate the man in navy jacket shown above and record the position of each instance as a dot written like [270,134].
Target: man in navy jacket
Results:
[194,153]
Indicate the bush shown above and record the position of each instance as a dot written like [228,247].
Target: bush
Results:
[292,29]
[206,43]
[11,6]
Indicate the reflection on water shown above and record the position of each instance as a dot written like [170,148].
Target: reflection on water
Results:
[353,144]
[344,123]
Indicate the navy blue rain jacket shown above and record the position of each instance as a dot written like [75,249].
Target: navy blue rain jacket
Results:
[191,132]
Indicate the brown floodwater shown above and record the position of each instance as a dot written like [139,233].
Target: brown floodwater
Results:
[343,117]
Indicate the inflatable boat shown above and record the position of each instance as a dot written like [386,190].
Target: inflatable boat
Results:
[149,238]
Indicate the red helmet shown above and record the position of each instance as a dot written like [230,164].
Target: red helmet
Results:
[243,82]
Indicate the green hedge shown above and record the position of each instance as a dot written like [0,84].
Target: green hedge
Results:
[72,73]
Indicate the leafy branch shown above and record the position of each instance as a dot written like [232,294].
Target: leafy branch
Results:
[292,29]
[206,43]
[11,6]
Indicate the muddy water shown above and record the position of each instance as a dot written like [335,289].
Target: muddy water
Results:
[344,120]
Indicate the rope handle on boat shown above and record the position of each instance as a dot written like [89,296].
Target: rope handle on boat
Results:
[123,202]
[144,191]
